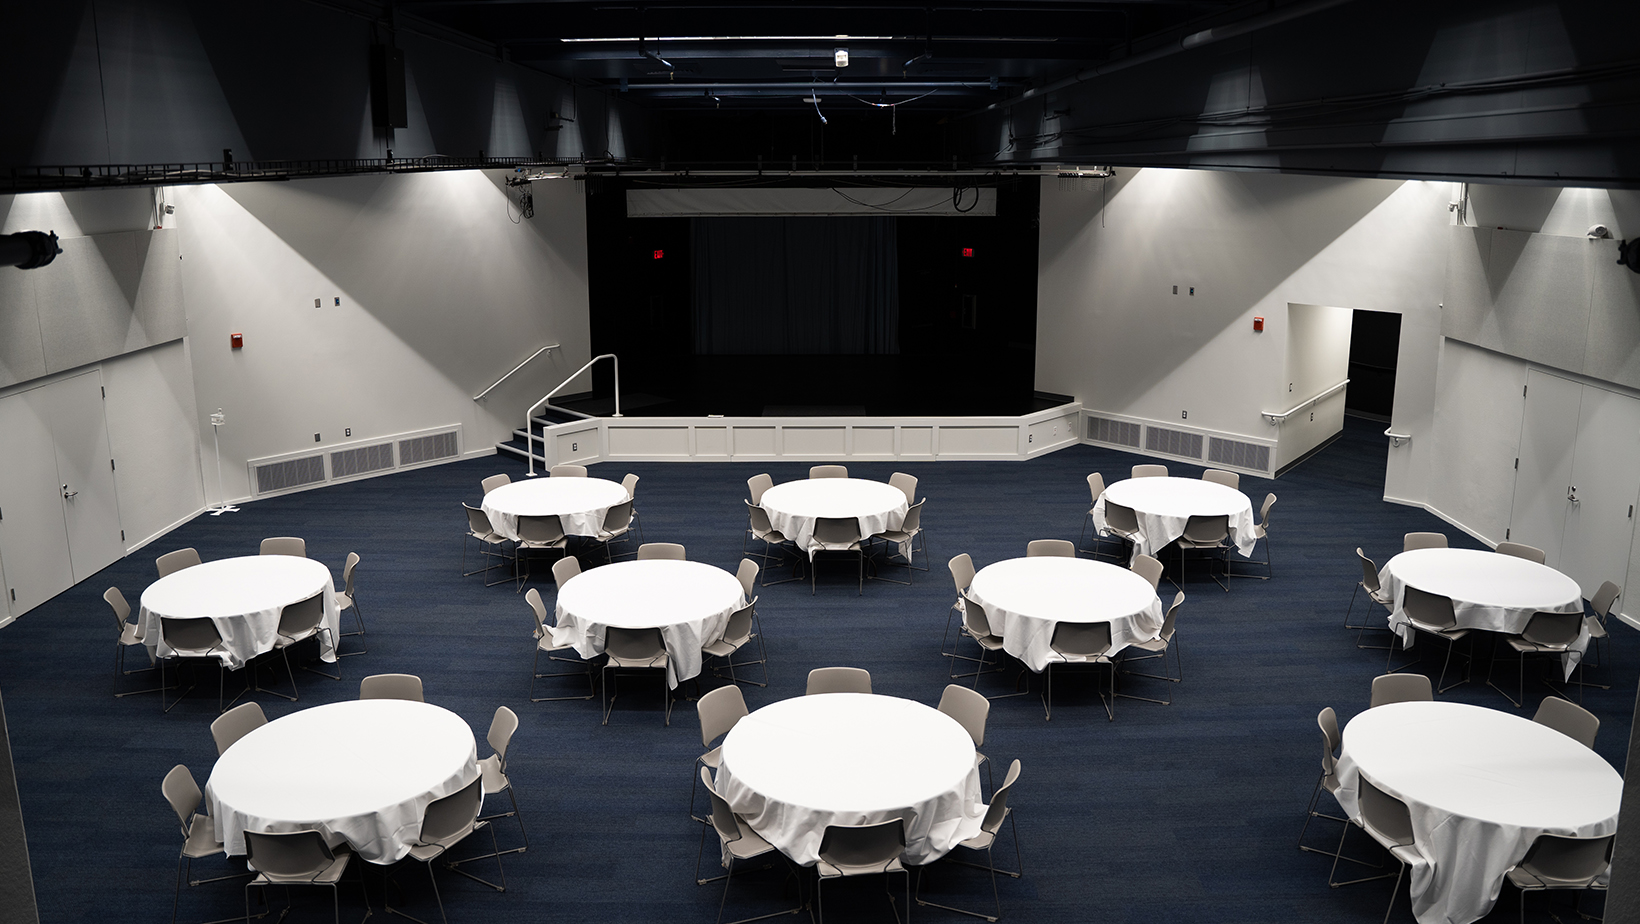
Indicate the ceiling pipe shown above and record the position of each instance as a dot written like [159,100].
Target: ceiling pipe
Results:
[1186,43]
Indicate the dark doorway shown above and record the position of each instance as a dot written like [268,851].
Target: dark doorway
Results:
[1375,342]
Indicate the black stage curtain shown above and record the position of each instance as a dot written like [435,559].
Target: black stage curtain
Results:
[796,285]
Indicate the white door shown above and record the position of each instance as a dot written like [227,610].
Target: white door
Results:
[33,534]
[85,471]
[1606,483]
[1543,468]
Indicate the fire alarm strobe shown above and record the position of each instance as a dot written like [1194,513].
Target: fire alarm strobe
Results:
[235,341]
[1258,324]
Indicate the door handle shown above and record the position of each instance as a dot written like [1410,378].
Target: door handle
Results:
[67,493]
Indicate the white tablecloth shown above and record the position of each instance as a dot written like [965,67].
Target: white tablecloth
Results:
[1024,598]
[244,597]
[1481,786]
[361,772]
[578,503]
[796,766]
[1497,593]
[689,601]
[1163,505]
[794,506]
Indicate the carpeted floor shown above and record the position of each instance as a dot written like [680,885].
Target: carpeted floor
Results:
[1186,812]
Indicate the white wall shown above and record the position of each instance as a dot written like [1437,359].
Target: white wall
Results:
[1318,358]
[442,291]
[1111,333]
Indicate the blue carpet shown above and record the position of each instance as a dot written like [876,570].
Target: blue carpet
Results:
[1186,812]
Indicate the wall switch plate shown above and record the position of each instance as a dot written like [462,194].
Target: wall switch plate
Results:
[338,301]
[1192,290]
[1175,290]
[318,302]
[316,437]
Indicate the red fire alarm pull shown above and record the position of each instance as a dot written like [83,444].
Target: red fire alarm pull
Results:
[236,340]
[1258,324]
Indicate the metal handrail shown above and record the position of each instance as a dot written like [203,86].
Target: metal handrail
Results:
[1396,439]
[529,434]
[550,346]
[1276,419]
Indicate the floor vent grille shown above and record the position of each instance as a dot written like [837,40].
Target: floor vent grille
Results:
[428,448]
[1237,454]
[1173,442]
[347,462]
[1115,432]
[290,473]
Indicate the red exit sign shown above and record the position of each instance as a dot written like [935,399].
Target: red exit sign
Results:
[659,254]
[967,251]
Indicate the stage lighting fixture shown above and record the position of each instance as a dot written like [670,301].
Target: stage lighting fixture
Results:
[28,249]
[840,57]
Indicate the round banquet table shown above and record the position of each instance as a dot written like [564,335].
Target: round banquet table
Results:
[1497,593]
[794,506]
[689,601]
[578,503]
[796,766]
[360,772]
[244,597]
[1024,598]
[1481,785]
[1163,506]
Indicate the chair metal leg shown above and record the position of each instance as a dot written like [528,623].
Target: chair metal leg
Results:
[454,866]
[1339,855]
[535,673]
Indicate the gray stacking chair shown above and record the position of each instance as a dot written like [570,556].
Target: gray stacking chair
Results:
[1053,548]
[736,635]
[198,833]
[1555,862]
[537,533]
[491,544]
[962,575]
[1601,603]
[1148,568]
[633,650]
[630,483]
[970,710]
[1400,688]
[828,471]
[567,470]
[172,562]
[127,635]
[1369,583]
[756,485]
[493,771]
[719,711]
[907,485]
[445,823]
[1432,615]
[1521,550]
[563,569]
[1327,719]
[298,622]
[758,527]
[1569,719]
[1096,487]
[739,842]
[662,551]
[1261,532]
[1149,471]
[236,723]
[495,481]
[1220,476]
[193,638]
[348,599]
[833,535]
[298,858]
[1079,643]
[616,527]
[838,680]
[294,546]
[1414,541]
[392,686]
[863,850]
[976,626]
[1158,647]
[1121,521]
[548,642]
[1210,535]
[910,535]
[1545,633]
[1386,819]
[995,813]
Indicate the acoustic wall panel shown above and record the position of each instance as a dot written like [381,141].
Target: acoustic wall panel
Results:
[103,296]
[22,355]
[1613,350]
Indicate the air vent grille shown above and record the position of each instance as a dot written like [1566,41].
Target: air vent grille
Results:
[1238,454]
[1173,442]
[277,476]
[357,461]
[427,448]
[1117,432]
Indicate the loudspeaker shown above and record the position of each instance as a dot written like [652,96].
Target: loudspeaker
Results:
[387,95]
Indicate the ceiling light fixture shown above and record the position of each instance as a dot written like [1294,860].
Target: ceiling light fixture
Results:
[840,57]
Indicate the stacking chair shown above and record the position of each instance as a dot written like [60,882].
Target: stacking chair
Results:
[1400,688]
[198,833]
[1555,862]
[1327,719]
[719,711]
[739,842]
[962,575]
[1079,643]
[297,858]
[1521,550]
[128,634]
[1432,615]
[1158,648]
[1209,534]
[1148,568]
[907,485]
[348,599]
[989,826]
[1261,530]
[392,686]
[1053,548]
[630,483]
[1601,603]
[1386,819]
[970,710]
[1545,633]
[1415,541]
[491,544]
[863,850]
[1121,521]
[1569,719]
[495,481]
[736,635]
[1220,476]
[634,650]
[662,551]
[549,640]
[294,546]
[756,485]
[1149,471]
[298,622]
[563,569]
[617,524]
[758,527]
[172,562]
[493,771]
[537,533]
[836,534]
[746,574]
[445,823]
[1096,487]
[828,471]
[567,470]
[838,680]
[236,723]
[976,626]
[193,638]
[909,536]
[1369,583]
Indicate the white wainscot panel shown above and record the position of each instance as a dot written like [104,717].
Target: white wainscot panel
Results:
[712,442]
[754,441]
[810,442]
[916,441]
[649,441]
[577,445]
[979,441]
[1049,433]
[873,441]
